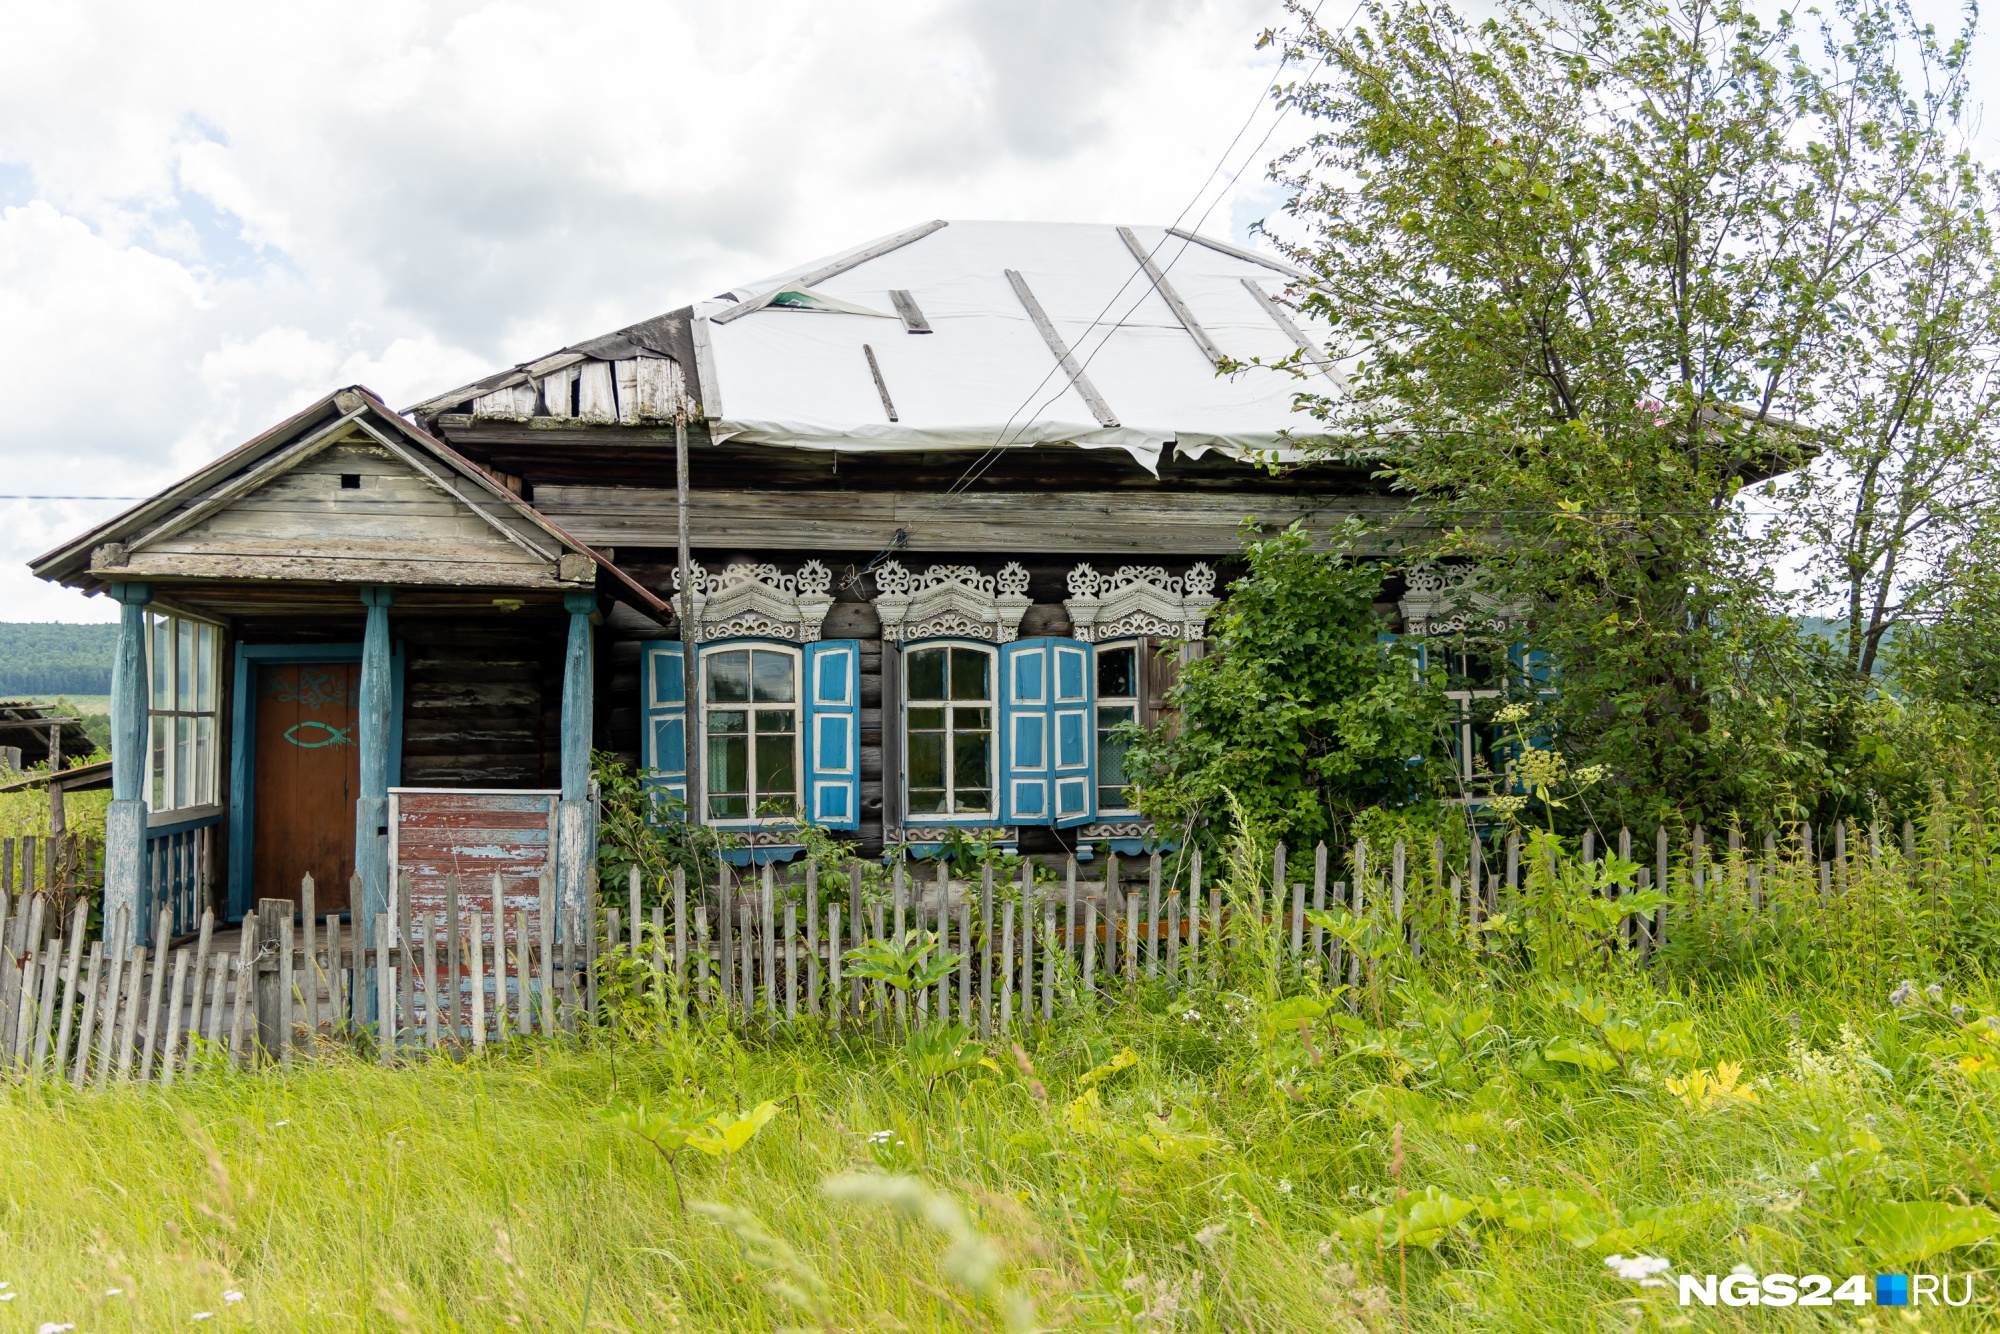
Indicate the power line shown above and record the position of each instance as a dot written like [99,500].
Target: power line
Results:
[994,452]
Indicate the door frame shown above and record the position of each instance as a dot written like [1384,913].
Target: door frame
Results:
[243,745]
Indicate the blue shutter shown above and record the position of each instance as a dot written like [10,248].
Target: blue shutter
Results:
[833,733]
[1047,771]
[663,704]
[1024,732]
[1074,771]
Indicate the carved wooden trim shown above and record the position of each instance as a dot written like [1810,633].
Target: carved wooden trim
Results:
[1140,600]
[757,601]
[1448,599]
[951,601]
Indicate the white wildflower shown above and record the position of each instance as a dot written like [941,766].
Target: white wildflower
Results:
[204,1315]
[51,1327]
[275,1124]
[881,1136]
[232,1296]
[1284,1185]
[114,1292]
[1192,1016]
[1901,995]
[1637,1268]
[1958,1014]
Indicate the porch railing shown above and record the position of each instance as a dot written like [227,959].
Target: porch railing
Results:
[180,865]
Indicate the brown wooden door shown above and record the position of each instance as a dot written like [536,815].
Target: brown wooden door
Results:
[308,775]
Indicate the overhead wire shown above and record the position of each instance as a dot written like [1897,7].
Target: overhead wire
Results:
[991,455]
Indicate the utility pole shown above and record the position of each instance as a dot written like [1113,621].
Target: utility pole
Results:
[690,633]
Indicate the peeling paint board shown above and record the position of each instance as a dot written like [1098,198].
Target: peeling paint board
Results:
[555,390]
[659,387]
[439,831]
[625,380]
[596,399]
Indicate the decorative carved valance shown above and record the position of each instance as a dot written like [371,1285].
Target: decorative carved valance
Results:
[1447,600]
[1139,600]
[954,601]
[756,601]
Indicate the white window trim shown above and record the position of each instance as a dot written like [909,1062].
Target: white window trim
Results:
[992,706]
[703,661]
[1136,699]
[214,713]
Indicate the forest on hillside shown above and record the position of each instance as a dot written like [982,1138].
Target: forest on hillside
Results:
[55,658]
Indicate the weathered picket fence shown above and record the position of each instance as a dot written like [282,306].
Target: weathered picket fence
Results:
[483,964]
[31,863]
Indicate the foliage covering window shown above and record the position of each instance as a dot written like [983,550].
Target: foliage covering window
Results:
[1298,711]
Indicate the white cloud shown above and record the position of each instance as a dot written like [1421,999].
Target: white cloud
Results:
[231,210]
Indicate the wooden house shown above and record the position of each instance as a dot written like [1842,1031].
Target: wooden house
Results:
[948,497]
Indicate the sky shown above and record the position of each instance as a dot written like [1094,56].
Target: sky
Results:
[212,215]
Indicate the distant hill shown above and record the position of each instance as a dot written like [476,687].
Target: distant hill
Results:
[55,658]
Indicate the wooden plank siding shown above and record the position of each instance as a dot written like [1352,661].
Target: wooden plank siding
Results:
[394,526]
[1118,523]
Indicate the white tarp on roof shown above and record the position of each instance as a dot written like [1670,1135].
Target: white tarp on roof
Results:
[788,375]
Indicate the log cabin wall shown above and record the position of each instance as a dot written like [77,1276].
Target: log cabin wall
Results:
[852,616]
[482,702]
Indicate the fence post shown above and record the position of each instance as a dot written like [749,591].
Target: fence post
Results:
[812,939]
[1153,916]
[986,952]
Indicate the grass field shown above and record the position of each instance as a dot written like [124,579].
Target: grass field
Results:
[1463,1152]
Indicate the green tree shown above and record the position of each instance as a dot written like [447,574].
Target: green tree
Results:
[1588,260]
[1301,711]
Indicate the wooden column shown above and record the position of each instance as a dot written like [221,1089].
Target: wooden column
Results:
[371,808]
[125,818]
[576,848]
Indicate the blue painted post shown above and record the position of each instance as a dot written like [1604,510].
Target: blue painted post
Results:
[371,808]
[576,846]
[125,818]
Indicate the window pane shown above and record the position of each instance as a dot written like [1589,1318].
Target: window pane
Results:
[207,644]
[972,803]
[772,678]
[971,754]
[163,663]
[931,720]
[777,780]
[184,664]
[971,719]
[204,761]
[774,720]
[729,677]
[926,801]
[161,728]
[729,774]
[183,761]
[728,720]
[926,669]
[926,761]
[1117,672]
[969,670]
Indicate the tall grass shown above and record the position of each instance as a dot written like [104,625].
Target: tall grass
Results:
[1458,1145]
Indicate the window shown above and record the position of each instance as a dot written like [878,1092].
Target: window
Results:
[751,721]
[950,729]
[1117,704]
[183,717]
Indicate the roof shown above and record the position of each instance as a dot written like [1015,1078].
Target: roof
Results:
[964,335]
[122,542]
[34,740]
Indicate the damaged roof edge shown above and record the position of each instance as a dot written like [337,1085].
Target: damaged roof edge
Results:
[665,336]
